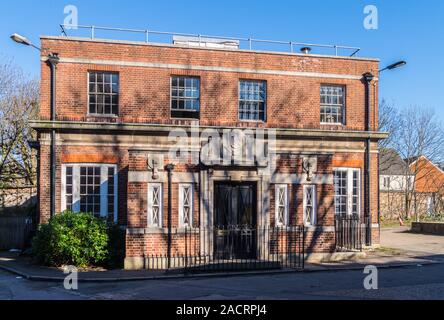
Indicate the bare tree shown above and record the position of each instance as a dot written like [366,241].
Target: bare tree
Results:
[415,132]
[18,104]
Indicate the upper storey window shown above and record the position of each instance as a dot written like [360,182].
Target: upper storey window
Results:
[185,97]
[332,104]
[252,100]
[103,93]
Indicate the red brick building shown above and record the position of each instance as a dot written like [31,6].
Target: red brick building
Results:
[117,103]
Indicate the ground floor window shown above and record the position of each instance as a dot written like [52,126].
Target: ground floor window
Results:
[90,188]
[347,186]
[185,205]
[309,205]
[281,211]
[155,205]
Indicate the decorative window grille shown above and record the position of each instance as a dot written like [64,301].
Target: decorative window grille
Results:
[185,205]
[155,205]
[281,197]
[309,205]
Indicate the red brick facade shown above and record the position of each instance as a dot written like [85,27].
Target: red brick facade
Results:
[293,103]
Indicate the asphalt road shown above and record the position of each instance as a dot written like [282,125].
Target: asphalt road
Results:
[416,282]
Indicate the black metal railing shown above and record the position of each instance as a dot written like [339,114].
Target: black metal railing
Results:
[349,233]
[233,248]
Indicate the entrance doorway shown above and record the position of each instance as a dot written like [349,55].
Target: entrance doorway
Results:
[235,220]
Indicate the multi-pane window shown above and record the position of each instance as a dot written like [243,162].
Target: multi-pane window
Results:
[90,188]
[69,189]
[347,191]
[103,93]
[309,205]
[252,100]
[341,192]
[185,97]
[332,104]
[185,205]
[111,189]
[281,214]
[155,205]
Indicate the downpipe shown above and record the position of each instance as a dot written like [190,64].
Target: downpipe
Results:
[53,60]
[367,78]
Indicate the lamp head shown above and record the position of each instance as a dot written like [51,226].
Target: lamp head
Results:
[20,39]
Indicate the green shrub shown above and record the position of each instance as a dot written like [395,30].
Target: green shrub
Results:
[78,239]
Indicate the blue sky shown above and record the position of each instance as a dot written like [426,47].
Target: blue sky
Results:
[410,30]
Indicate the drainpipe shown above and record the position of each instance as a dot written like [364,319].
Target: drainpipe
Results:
[53,60]
[367,77]
[169,168]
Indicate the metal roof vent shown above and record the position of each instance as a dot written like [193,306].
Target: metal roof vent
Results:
[206,42]
[306,50]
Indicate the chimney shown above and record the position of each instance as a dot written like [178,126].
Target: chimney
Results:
[306,50]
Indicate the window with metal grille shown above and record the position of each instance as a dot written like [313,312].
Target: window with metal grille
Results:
[155,205]
[185,205]
[103,93]
[252,100]
[185,97]
[281,205]
[347,191]
[332,104]
[90,188]
[309,205]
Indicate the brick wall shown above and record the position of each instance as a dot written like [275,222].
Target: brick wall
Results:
[292,102]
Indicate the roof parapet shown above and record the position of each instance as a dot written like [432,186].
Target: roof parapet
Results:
[206,41]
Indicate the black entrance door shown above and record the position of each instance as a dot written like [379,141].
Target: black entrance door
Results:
[235,221]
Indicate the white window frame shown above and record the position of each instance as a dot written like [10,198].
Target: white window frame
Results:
[326,105]
[314,205]
[76,187]
[350,172]
[182,186]
[277,189]
[150,198]
[256,82]
[111,94]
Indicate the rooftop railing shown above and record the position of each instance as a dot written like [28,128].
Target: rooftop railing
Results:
[152,36]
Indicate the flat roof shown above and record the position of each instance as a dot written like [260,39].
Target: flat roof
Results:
[143,43]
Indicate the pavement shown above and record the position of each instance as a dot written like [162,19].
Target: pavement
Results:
[413,244]
[410,266]
[399,248]
[410,282]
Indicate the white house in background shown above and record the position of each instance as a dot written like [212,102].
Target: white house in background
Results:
[394,178]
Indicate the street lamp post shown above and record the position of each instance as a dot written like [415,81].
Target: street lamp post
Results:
[52,60]
[367,79]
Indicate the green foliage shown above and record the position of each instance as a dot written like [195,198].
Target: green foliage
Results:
[69,238]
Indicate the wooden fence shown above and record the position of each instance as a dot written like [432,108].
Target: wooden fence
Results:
[15,232]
